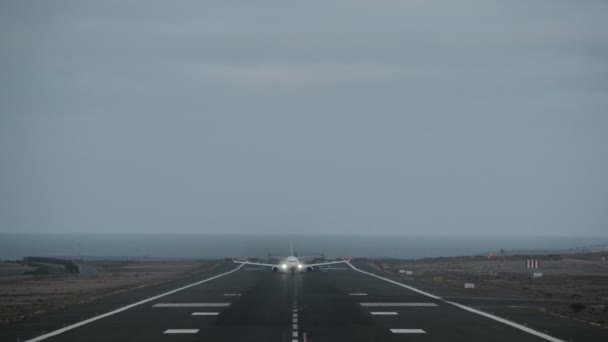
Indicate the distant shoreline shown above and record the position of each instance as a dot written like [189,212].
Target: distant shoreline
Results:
[199,246]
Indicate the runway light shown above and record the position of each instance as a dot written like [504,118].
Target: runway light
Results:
[299,265]
[284,265]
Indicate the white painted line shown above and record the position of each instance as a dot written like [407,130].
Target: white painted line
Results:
[294,334]
[295,327]
[507,322]
[231,294]
[384,313]
[394,282]
[190,305]
[358,294]
[127,307]
[181,331]
[295,320]
[408,331]
[294,341]
[398,304]
[205,313]
[464,307]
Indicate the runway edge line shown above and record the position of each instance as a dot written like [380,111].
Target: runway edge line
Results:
[124,308]
[464,307]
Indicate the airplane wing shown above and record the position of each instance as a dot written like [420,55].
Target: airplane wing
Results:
[254,263]
[326,263]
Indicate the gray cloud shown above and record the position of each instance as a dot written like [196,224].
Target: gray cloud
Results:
[389,117]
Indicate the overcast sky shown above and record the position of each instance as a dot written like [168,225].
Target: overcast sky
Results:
[401,117]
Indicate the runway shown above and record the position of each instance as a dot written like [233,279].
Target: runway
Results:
[250,304]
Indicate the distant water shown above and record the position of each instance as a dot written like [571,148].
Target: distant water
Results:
[16,246]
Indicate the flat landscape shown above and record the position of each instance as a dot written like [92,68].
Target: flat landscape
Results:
[26,295]
[572,286]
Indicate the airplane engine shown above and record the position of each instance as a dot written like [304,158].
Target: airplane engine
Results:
[308,268]
[275,269]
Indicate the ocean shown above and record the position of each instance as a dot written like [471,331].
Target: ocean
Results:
[183,246]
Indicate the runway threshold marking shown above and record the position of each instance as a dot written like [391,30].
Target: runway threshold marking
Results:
[181,331]
[127,307]
[464,307]
[190,305]
[398,304]
[408,331]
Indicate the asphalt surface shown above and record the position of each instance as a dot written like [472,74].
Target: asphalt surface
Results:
[333,304]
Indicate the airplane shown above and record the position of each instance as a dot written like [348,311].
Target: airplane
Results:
[291,263]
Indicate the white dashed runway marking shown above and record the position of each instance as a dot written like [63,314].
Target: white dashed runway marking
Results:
[294,326]
[232,294]
[408,331]
[358,294]
[398,304]
[190,305]
[181,331]
[205,313]
[384,313]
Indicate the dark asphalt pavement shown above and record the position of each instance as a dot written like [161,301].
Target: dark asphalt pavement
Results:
[254,304]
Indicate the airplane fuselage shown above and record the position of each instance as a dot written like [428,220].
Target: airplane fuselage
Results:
[292,264]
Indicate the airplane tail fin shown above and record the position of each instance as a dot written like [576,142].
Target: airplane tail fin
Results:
[291,247]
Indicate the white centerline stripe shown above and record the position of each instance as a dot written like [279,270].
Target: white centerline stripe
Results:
[231,294]
[205,313]
[358,294]
[408,331]
[190,305]
[76,325]
[383,313]
[181,331]
[464,307]
[398,304]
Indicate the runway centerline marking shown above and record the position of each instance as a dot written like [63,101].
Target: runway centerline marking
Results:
[358,294]
[408,331]
[464,307]
[232,294]
[190,305]
[398,304]
[127,307]
[384,313]
[181,331]
[205,313]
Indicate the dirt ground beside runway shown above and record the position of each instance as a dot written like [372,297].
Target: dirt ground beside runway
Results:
[23,296]
[573,286]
